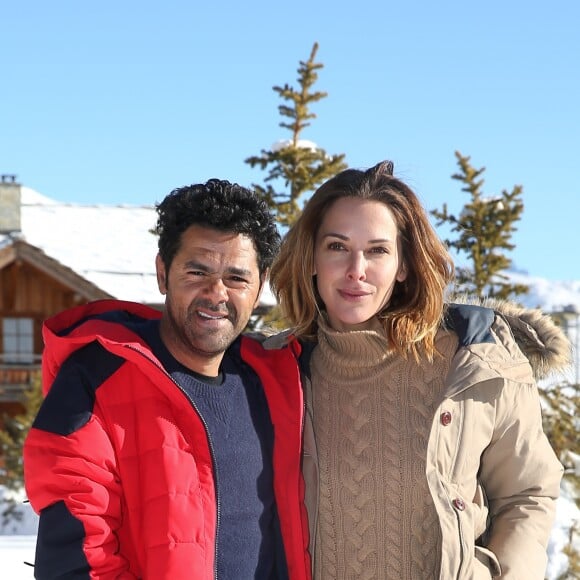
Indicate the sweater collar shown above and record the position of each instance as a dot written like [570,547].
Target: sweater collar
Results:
[352,349]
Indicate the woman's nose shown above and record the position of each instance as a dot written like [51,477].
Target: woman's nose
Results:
[357,267]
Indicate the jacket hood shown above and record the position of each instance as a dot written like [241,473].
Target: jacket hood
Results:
[106,321]
[541,340]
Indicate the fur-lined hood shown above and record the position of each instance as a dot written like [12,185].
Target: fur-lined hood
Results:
[540,339]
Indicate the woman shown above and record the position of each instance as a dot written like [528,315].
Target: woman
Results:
[424,450]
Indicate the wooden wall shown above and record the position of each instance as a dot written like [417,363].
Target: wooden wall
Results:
[28,292]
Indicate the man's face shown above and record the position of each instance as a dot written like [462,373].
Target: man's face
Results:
[211,289]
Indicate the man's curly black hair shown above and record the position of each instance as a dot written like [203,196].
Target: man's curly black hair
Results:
[221,205]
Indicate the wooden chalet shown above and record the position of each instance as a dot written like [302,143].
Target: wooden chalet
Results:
[56,255]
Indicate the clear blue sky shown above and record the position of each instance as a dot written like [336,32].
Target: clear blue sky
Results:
[120,102]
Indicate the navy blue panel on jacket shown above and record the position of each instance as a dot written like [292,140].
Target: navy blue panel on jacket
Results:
[59,547]
[66,410]
[471,323]
[122,317]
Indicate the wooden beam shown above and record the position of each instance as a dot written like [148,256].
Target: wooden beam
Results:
[7,256]
[10,285]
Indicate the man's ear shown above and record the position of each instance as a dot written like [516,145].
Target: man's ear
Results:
[263,282]
[161,274]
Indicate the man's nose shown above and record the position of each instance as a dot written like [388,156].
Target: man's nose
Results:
[217,290]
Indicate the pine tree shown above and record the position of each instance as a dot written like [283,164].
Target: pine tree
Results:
[297,164]
[561,415]
[561,424]
[12,441]
[573,557]
[484,229]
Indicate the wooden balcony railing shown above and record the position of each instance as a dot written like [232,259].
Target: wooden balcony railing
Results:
[15,379]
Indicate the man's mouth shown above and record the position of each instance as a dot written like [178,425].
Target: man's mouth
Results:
[211,316]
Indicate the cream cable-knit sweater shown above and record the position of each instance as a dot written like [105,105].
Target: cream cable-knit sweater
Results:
[372,414]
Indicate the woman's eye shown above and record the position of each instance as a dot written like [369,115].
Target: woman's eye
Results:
[379,250]
[335,246]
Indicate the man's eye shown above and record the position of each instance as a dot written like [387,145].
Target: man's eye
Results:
[238,280]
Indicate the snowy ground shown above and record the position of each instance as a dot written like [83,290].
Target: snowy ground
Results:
[14,552]
[17,542]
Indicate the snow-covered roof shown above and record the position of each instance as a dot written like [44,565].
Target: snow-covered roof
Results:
[111,246]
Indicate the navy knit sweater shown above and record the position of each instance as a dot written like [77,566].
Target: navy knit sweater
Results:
[234,410]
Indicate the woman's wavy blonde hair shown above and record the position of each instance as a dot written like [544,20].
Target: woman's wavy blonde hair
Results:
[413,315]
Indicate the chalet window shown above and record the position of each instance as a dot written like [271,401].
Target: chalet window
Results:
[17,341]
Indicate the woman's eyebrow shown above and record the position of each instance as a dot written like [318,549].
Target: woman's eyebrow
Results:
[346,238]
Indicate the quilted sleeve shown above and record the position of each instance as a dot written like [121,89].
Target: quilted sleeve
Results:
[71,477]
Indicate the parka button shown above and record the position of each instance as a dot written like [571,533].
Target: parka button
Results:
[459,504]
[445,418]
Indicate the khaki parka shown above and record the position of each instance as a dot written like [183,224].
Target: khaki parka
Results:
[492,474]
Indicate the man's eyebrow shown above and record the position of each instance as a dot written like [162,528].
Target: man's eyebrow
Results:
[239,271]
[195,265]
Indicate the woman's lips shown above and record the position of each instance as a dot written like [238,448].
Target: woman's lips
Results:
[352,294]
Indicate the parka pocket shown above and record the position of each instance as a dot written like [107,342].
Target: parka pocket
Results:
[485,557]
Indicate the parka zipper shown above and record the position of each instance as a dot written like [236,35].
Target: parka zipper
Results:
[210,445]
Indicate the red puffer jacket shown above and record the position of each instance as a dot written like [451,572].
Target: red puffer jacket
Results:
[121,464]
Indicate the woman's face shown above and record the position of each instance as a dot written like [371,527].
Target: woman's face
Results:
[357,260]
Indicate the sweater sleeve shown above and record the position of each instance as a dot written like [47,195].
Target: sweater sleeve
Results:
[521,475]
[72,482]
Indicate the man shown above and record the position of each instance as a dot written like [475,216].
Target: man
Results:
[168,445]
